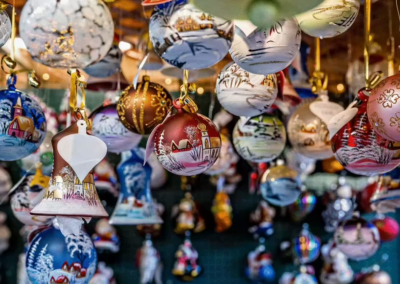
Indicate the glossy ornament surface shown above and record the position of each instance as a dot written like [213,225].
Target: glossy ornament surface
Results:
[306,246]
[330,18]
[262,220]
[303,205]
[187,37]
[384,108]
[259,266]
[141,110]
[22,123]
[225,159]
[53,258]
[245,94]
[359,149]
[186,266]
[267,51]
[108,127]
[222,210]
[108,66]
[357,238]
[388,228]
[66,33]
[259,139]
[5,28]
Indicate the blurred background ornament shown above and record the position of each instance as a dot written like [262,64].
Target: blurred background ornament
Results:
[186,266]
[158,174]
[388,227]
[5,233]
[330,18]
[105,238]
[374,277]
[259,266]
[336,269]
[105,178]
[357,238]
[385,196]
[262,220]
[303,165]
[279,185]
[282,40]
[306,246]
[225,159]
[5,184]
[305,276]
[154,230]
[5,25]
[103,275]
[222,210]
[142,109]
[57,37]
[331,165]
[187,216]
[303,205]
[149,263]
[245,94]
[260,138]
[188,38]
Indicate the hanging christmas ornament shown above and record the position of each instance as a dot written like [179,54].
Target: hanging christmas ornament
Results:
[336,268]
[357,238]
[153,230]
[149,262]
[385,197]
[306,276]
[243,93]
[5,184]
[375,277]
[186,266]
[222,210]
[303,165]
[135,205]
[225,158]
[375,184]
[187,216]
[5,24]
[330,18]
[108,127]
[142,109]
[259,139]
[279,186]
[28,194]
[5,233]
[58,37]
[158,174]
[22,125]
[306,246]
[303,205]
[53,258]
[188,38]
[105,178]
[259,266]
[331,165]
[388,228]
[104,275]
[105,238]
[262,220]
[267,51]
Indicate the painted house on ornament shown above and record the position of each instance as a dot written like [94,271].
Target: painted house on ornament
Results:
[211,145]
[184,146]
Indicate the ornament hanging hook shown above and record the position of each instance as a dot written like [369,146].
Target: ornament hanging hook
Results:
[367,31]
[318,80]
[77,82]
[187,89]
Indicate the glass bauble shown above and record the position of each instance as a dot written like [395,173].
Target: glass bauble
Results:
[388,228]
[384,108]
[53,258]
[142,109]
[108,66]
[22,123]
[259,139]
[336,268]
[306,246]
[5,28]
[225,159]
[108,127]
[360,149]
[188,38]
[66,33]
[279,186]
[330,18]
[357,238]
[267,51]
[245,94]
[309,134]
[376,277]
[303,205]
[186,143]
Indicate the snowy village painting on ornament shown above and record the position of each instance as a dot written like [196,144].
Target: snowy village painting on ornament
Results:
[135,204]
[259,139]
[53,258]
[22,123]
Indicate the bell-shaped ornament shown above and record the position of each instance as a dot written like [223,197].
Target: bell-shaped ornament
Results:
[135,205]
[71,191]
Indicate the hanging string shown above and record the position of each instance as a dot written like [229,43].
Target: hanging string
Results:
[318,80]
[317,54]
[390,43]
[13,32]
[77,84]
[187,89]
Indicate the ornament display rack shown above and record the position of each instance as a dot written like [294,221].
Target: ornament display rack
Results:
[222,255]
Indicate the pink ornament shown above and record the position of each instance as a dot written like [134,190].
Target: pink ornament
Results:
[384,108]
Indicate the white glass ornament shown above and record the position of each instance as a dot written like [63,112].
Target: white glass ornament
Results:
[5,28]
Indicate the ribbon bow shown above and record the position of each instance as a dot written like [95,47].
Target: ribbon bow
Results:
[319,82]
[188,89]
[76,84]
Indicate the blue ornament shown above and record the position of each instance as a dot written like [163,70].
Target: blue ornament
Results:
[22,123]
[306,246]
[259,268]
[108,66]
[53,258]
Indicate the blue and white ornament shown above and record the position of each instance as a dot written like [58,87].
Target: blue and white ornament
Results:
[108,66]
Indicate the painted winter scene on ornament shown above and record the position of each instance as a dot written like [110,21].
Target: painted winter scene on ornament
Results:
[188,38]
[259,139]
[22,124]
[267,51]
[5,28]
[191,151]
[225,159]
[108,127]
[135,204]
[245,94]
[53,258]
[66,34]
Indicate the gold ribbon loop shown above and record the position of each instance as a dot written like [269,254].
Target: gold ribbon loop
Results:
[188,89]
[3,6]
[374,80]
[76,84]
[319,82]
[7,61]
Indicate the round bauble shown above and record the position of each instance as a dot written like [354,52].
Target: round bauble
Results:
[245,94]
[188,38]
[108,66]
[303,165]
[329,19]
[22,123]
[141,110]
[66,33]
[267,51]
[378,277]
[306,246]
[259,139]
[384,108]
[5,28]
[362,151]
[108,127]
[225,158]
[357,238]
[388,228]
[186,143]
[53,258]
[303,205]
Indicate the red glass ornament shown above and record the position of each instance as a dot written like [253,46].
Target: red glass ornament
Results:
[388,228]
[359,149]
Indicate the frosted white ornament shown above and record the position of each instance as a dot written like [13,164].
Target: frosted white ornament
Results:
[5,28]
